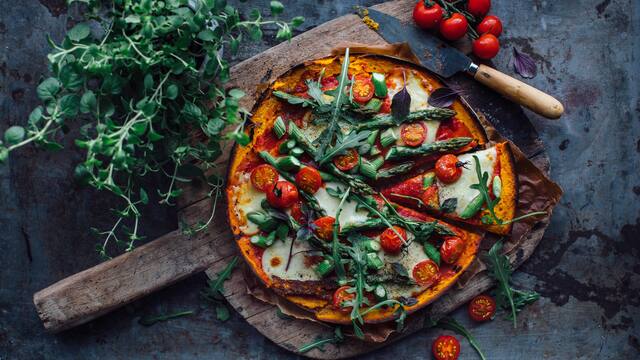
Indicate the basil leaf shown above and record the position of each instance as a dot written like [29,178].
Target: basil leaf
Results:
[449,205]
[400,105]
[443,97]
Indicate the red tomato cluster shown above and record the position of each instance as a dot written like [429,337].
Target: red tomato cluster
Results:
[452,24]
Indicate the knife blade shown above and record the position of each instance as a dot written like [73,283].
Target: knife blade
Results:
[434,54]
[446,61]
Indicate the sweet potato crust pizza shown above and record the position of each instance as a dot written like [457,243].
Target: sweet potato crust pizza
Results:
[356,199]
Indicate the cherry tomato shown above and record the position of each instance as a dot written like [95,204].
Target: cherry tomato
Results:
[447,169]
[478,8]
[451,249]
[482,308]
[390,242]
[446,347]
[324,227]
[264,177]
[427,17]
[341,295]
[347,161]
[413,134]
[329,83]
[491,25]
[386,105]
[425,273]
[283,195]
[362,88]
[297,214]
[486,46]
[454,27]
[309,179]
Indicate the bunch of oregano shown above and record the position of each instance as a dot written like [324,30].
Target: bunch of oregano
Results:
[143,77]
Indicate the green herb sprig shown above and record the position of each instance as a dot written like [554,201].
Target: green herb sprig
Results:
[152,320]
[214,291]
[143,77]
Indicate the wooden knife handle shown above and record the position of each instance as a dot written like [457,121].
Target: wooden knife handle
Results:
[128,277]
[519,92]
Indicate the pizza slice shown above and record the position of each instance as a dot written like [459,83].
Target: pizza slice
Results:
[453,189]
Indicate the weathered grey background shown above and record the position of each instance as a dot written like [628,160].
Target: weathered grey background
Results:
[586,268]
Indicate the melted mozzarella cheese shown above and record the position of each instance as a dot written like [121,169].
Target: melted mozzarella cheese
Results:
[461,189]
[274,261]
[409,258]
[247,199]
[349,214]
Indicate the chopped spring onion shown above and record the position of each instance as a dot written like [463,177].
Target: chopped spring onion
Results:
[388,137]
[279,127]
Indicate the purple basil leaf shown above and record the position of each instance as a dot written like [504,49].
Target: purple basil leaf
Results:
[443,97]
[524,65]
[400,105]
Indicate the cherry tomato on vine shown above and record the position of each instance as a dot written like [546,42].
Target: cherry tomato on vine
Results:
[264,177]
[391,242]
[413,134]
[447,169]
[486,46]
[324,227]
[347,161]
[363,89]
[451,249]
[482,308]
[427,17]
[454,27]
[490,25]
[425,273]
[282,195]
[341,295]
[478,8]
[446,347]
[309,179]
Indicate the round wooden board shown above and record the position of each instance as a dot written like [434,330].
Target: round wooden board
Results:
[507,118]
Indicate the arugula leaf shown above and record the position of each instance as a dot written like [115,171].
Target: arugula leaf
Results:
[215,288]
[315,91]
[500,270]
[294,100]
[337,338]
[326,138]
[449,323]
[152,320]
[352,140]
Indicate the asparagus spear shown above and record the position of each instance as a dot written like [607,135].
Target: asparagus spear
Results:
[380,121]
[394,170]
[399,152]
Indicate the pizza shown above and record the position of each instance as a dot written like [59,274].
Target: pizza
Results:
[332,205]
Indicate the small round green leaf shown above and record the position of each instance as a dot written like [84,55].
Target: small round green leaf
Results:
[79,32]
[172,92]
[206,35]
[236,93]
[4,155]
[276,8]
[87,102]
[35,115]
[48,89]
[14,135]
[297,21]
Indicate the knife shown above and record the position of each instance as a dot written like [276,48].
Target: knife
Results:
[445,61]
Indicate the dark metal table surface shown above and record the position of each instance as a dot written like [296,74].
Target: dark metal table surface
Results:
[587,267]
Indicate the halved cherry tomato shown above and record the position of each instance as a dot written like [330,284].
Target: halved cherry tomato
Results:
[282,195]
[413,134]
[490,24]
[341,295]
[386,105]
[427,17]
[347,161]
[264,177]
[451,249]
[486,46]
[447,169]
[309,179]
[391,242]
[482,308]
[478,8]
[362,88]
[324,227]
[425,273]
[297,214]
[454,27]
[446,347]
[329,83]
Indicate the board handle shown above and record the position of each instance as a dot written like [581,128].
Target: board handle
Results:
[96,291]
[519,92]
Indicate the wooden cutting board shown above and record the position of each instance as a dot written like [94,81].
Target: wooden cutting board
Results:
[174,256]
